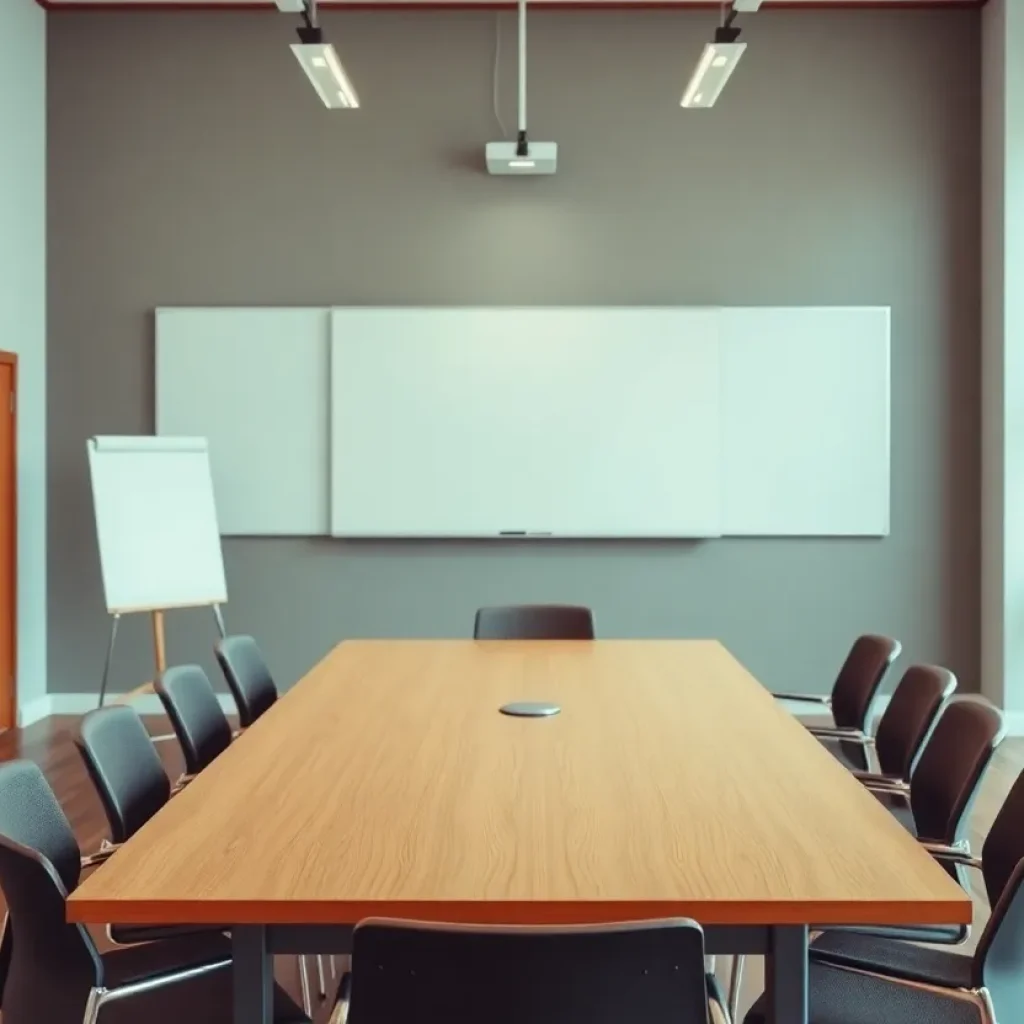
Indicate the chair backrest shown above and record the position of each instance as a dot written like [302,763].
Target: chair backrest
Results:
[534,622]
[650,972]
[1000,950]
[53,964]
[949,771]
[124,767]
[199,723]
[1003,848]
[248,678]
[859,679]
[915,705]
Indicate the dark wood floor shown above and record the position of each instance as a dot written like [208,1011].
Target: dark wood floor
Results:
[49,743]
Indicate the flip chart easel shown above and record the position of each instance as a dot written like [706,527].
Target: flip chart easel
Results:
[156,526]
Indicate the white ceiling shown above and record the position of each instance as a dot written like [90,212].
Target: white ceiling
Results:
[244,4]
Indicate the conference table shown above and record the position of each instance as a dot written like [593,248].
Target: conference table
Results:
[387,783]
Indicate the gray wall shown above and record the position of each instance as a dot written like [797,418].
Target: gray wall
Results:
[190,164]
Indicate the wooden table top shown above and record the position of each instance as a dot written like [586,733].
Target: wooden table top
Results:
[386,782]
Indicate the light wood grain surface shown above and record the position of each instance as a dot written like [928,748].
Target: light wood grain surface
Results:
[386,782]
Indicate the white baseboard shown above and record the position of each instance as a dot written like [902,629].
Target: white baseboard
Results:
[79,703]
[33,710]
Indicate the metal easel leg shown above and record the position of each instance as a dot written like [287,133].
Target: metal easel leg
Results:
[110,657]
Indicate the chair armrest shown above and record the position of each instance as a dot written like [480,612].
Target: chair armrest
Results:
[106,848]
[827,732]
[887,786]
[959,853]
[877,779]
[888,789]
[964,859]
[181,782]
[811,698]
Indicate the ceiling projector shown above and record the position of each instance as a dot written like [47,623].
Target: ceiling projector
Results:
[522,157]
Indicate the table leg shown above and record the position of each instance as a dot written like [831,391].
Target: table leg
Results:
[253,971]
[786,975]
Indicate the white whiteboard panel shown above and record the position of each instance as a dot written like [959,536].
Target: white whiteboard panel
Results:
[156,523]
[574,422]
[805,421]
[254,382]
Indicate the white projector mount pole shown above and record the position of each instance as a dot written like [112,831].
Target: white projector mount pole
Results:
[522,148]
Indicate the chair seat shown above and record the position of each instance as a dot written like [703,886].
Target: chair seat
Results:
[843,997]
[901,959]
[203,1000]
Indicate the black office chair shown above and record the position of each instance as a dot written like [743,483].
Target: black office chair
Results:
[644,973]
[855,687]
[129,778]
[202,728]
[987,987]
[534,622]
[56,973]
[916,702]
[934,808]
[1002,850]
[935,804]
[125,768]
[247,676]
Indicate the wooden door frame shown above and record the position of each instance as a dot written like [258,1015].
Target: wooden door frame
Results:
[9,700]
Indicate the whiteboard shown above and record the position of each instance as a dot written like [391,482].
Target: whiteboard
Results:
[805,421]
[254,382]
[569,422]
[156,523]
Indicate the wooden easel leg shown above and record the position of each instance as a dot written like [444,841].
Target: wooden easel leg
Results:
[159,643]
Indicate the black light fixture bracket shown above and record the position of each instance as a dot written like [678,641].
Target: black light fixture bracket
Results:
[310,34]
[727,32]
[309,17]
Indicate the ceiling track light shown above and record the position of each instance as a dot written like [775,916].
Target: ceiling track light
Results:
[718,61]
[318,59]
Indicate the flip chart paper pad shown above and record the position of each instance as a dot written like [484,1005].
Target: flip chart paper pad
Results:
[156,522]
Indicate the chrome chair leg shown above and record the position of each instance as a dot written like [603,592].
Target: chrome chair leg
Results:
[307,999]
[321,980]
[92,1005]
[735,985]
